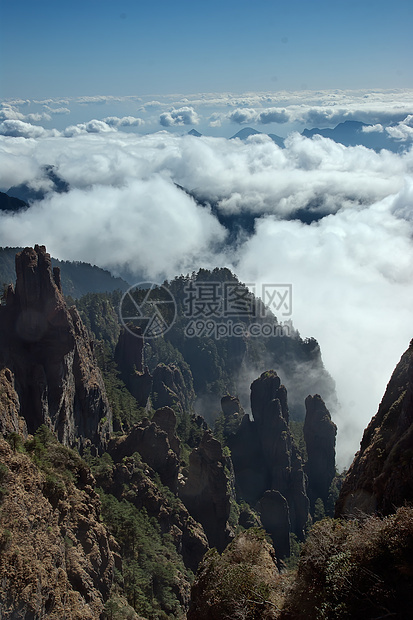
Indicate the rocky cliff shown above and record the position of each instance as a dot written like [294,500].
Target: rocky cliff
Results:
[267,464]
[49,357]
[381,476]
[57,560]
[320,439]
[129,357]
[205,492]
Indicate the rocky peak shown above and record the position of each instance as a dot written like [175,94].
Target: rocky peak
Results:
[205,491]
[129,357]
[264,390]
[320,438]
[152,443]
[268,467]
[169,388]
[47,348]
[380,478]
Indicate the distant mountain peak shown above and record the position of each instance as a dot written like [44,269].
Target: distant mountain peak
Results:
[245,133]
[195,133]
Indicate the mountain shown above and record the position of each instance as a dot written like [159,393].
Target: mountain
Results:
[352,133]
[8,203]
[380,478]
[49,357]
[50,181]
[194,132]
[77,278]
[246,132]
[113,490]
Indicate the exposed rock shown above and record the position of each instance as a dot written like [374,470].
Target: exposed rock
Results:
[134,481]
[165,418]
[264,390]
[153,445]
[275,517]
[56,558]
[320,438]
[380,478]
[129,357]
[252,477]
[170,390]
[205,493]
[47,348]
[10,419]
[231,406]
[266,459]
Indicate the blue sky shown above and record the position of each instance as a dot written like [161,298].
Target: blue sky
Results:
[61,49]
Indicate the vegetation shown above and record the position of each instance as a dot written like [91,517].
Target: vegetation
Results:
[240,583]
[355,569]
[152,568]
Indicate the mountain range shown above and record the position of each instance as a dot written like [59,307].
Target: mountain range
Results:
[114,491]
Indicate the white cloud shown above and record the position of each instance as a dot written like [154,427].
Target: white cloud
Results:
[378,128]
[125,121]
[403,131]
[263,117]
[181,116]
[60,110]
[93,126]
[20,129]
[352,272]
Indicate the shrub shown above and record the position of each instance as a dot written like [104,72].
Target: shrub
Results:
[355,569]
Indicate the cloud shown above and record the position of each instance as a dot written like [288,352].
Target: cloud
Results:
[273,115]
[121,227]
[182,116]
[125,121]
[263,117]
[403,131]
[378,128]
[93,126]
[243,116]
[351,271]
[20,129]
[56,110]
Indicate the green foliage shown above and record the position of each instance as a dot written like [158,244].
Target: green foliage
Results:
[297,431]
[151,564]
[355,570]
[125,409]
[98,314]
[295,549]
[15,441]
[116,608]
[319,511]
[238,584]
[61,465]
[101,466]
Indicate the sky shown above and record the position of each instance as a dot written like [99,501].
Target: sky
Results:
[106,92]
[102,47]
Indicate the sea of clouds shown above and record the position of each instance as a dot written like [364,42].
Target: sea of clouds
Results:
[351,271]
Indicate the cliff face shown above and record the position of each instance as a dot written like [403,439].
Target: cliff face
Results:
[129,357]
[320,438]
[381,476]
[56,558]
[151,440]
[205,492]
[268,467]
[47,349]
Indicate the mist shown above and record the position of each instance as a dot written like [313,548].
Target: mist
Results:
[351,269]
